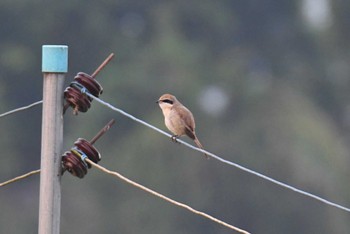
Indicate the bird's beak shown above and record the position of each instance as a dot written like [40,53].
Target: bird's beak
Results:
[158,101]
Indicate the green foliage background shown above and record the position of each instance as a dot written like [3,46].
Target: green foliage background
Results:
[284,113]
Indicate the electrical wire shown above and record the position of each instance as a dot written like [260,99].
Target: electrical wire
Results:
[182,205]
[279,183]
[20,177]
[21,108]
[125,179]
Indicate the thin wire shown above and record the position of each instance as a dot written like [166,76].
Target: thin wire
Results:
[125,179]
[29,173]
[116,174]
[20,177]
[223,160]
[21,108]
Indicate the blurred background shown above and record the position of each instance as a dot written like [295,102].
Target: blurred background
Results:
[268,84]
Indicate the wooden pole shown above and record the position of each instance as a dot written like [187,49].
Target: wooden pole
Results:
[54,67]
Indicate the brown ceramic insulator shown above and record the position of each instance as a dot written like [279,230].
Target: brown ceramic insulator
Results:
[88,149]
[89,83]
[72,163]
[76,99]
[73,160]
[74,95]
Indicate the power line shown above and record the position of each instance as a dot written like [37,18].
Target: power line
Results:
[20,177]
[198,149]
[318,198]
[135,184]
[116,174]
[9,113]
[21,108]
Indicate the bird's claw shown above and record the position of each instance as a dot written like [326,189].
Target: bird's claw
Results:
[174,138]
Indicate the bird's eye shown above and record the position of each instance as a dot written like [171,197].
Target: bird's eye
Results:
[168,101]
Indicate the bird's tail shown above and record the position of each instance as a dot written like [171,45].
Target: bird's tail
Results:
[200,146]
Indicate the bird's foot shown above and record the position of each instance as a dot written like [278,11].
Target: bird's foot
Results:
[174,138]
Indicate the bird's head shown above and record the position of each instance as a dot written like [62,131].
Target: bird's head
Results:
[166,101]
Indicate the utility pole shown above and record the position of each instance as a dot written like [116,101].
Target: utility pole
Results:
[54,67]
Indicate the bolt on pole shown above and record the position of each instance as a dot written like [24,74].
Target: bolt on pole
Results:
[54,67]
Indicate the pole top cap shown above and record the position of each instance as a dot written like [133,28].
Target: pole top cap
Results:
[55,58]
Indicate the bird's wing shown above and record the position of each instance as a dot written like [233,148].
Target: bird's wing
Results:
[188,121]
[187,117]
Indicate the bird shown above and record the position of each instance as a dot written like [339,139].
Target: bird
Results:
[178,119]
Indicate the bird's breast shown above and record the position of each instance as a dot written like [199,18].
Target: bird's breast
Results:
[174,123]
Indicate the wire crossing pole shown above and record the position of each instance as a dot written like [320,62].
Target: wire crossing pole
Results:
[54,67]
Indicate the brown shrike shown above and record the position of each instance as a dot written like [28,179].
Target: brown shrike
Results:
[178,119]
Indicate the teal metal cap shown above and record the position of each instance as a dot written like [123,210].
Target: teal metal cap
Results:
[55,58]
